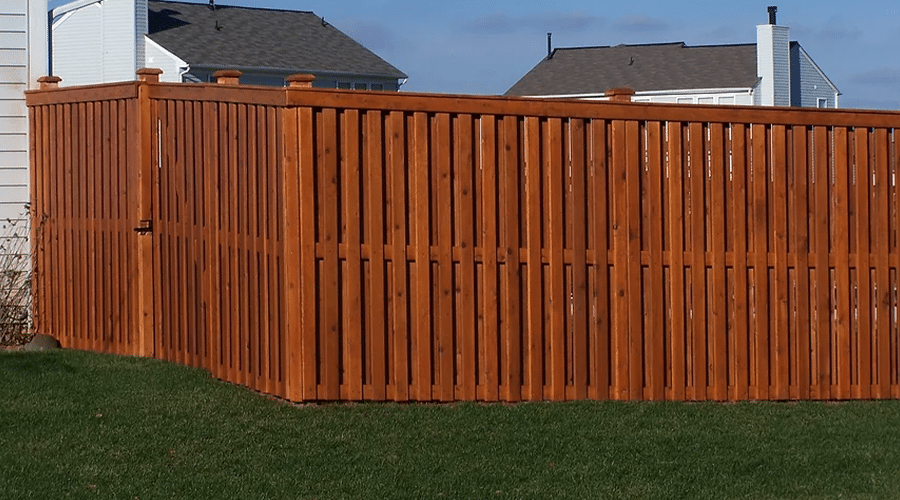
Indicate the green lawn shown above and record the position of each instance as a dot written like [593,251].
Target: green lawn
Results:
[81,425]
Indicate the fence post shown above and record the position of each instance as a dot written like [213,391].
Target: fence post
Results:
[144,209]
[228,77]
[290,170]
[619,94]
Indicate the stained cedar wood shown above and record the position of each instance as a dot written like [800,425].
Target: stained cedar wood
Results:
[227,204]
[398,165]
[308,297]
[883,287]
[420,168]
[351,177]
[533,214]
[778,202]
[293,296]
[741,352]
[93,149]
[699,281]
[840,242]
[464,223]
[633,296]
[800,224]
[211,232]
[655,305]
[509,240]
[559,300]
[863,178]
[717,182]
[444,358]
[264,136]
[677,268]
[580,293]
[253,250]
[760,218]
[822,168]
[619,223]
[243,264]
[329,234]
[487,163]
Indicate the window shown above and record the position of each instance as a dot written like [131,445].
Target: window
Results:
[821,103]
[343,85]
[377,86]
[360,86]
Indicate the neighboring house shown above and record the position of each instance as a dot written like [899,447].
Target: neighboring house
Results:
[771,72]
[97,41]
[23,59]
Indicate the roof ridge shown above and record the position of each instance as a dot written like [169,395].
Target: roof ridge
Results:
[234,6]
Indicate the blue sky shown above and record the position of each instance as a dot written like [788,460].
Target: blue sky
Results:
[483,47]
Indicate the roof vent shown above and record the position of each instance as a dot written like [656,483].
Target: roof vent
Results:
[212,4]
[772,10]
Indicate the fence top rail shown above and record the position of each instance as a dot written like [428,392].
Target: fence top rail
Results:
[468,104]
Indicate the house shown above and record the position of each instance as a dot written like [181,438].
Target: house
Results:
[95,41]
[774,71]
[23,59]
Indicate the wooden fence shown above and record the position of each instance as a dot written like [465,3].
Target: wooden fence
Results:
[340,245]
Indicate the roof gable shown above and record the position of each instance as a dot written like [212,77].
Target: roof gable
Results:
[244,37]
[666,66]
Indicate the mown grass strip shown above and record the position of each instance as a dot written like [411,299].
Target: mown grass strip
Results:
[82,425]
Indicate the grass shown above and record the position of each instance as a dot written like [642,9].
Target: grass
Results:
[82,425]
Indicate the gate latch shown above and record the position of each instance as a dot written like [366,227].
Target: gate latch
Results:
[145,226]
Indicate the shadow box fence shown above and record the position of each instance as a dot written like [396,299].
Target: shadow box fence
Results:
[341,245]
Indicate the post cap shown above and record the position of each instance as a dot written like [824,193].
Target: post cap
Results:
[620,94]
[150,75]
[304,80]
[228,77]
[49,82]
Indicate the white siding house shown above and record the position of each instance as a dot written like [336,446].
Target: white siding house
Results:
[98,41]
[23,59]
[774,71]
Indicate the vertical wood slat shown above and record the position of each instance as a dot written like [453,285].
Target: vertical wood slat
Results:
[636,328]
[488,141]
[760,175]
[863,179]
[464,223]
[822,168]
[559,300]
[779,356]
[327,170]
[422,364]
[718,293]
[352,178]
[619,221]
[800,224]
[741,353]
[882,299]
[396,162]
[840,242]
[444,344]
[533,348]
[510,244]
[307,358]
[677,268]
[656,223]
[698,172]
[580,293]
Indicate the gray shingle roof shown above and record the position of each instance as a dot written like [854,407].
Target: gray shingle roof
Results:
[244,37]
[666,66]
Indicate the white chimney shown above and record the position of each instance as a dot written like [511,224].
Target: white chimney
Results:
[773,62]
